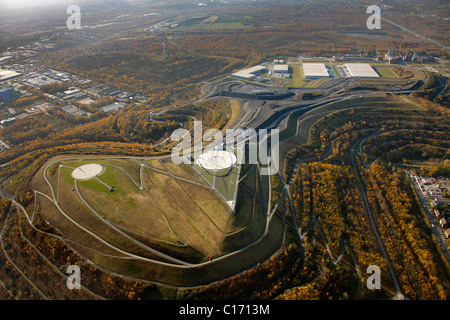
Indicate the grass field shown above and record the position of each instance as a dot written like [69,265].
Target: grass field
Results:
[157,204]
[315,83]
[386,72]
[297,78]
[164,204]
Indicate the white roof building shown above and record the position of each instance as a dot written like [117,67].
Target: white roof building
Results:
[447,233]
[280,68]
[250,73]
[7,74]
[361,70]
[113,106]
[315,70]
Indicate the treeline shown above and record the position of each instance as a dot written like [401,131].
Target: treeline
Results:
[404,145]
[438,170]
[4,207]
[44,257]
[265,281]
[55,87]
[130,127]
[39,156]
[420,267]
[311,95]
[26,129]
[142,72]
[213,115]
[328,206]
[335,134]
[27,101]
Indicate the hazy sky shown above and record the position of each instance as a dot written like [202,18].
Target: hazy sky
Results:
[31,3]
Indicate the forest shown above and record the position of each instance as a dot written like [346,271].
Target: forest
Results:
[421,272]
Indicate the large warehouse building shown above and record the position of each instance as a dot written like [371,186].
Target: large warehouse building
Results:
[250,73]
[315,70]
[7,74]
[361,70]
[280,68]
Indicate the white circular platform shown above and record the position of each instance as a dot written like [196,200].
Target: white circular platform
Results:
[87,171]
[216,160]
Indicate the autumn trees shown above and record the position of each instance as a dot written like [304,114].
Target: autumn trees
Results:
[34,264]
[265,281]
[421,270]
[329,209]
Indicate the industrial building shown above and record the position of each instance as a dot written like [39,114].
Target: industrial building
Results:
[280,68]
[72,94]
[113,106]
[280,71]
[74,111]
[7,74]
[315,70]
[250,73]
[37,80]
[361,70]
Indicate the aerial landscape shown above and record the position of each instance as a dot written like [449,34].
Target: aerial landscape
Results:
[224,150]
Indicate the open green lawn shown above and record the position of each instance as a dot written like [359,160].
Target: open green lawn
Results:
[315,83]
[297,79]
[224,181]
[386,72]
[167,208]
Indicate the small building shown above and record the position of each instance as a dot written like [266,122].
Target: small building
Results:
[447,233]
[437,213]
[408,57]
[444,223]
[394,60]
[114,106]
[74,111]
[280,68]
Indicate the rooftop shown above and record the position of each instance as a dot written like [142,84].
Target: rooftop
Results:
[315,70]
[280,68]
[363,70]
[7,74]
[250,72]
